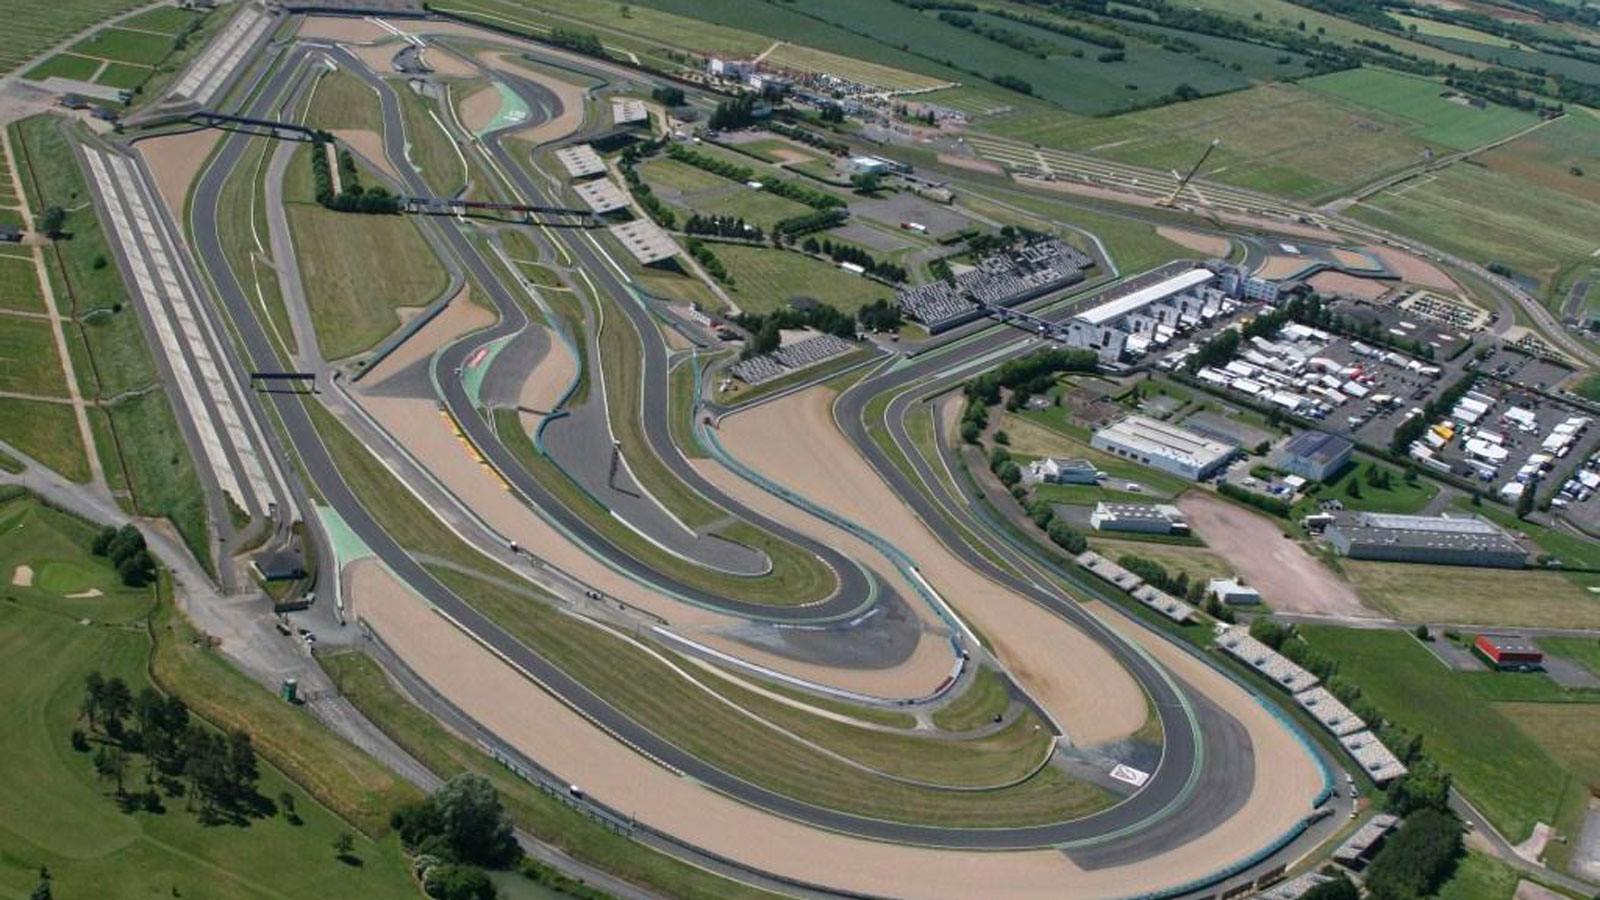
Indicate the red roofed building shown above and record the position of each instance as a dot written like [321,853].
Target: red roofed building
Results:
[1506,651]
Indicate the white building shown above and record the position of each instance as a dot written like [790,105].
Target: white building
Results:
[1163,446]
[1229,590]
[1140,517]
[1064,471]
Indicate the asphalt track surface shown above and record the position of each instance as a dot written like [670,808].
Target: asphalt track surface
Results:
[1170,783]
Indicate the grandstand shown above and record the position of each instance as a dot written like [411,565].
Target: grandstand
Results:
[1326,708]
[1378,761]
[1158,600]
[1294,888]
[1236,642]
[1004,279]
[1358,847]
[796,356]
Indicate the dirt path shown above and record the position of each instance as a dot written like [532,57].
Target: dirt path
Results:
[1289,578]
[97,475]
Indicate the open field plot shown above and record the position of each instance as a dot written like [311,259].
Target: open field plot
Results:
[1490,216]
[19,284]
[1400,496]
[1200,563]
[765,280]
[1551,63]
[1450,123]
[122,45]
[1413,592]
[65,65]
[1547,156]
[810,59]
[55,812]
[1278,138]
[432,149]
[46,431]
[1289,15]
[165,19]
[46,25]
[661,24]
[1581,650]
[1506,773]
[29,363]
[1432,28]
[126,76]
[343,101]
[1478,876]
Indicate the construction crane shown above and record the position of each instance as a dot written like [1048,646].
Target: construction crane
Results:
[1183,182]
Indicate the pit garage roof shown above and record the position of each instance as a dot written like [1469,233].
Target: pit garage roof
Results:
[581,160]
[601,195]
[1121,306]
[625,110]
[645,241]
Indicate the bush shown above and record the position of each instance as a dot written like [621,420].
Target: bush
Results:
[1066,537]
[1417,859]
[452,881]
[1270,505]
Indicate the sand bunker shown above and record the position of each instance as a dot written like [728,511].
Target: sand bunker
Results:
[570,95]
[461,316]
[368,144]
[90,594]
[1289,578]
[22,576]
[479,110]
[1413,269]
[972,163]
[1349,285]
[342,29]
[174,161]
[1209,244]
[379,57]
[1352,258]
[549,379]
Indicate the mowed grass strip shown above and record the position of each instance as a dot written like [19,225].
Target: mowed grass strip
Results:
[165,19]
[29,362]
[122,45]
[985,697]
[366,685]
[681,711]
[1506,773]
[123,75]
[55,812]
[765,280]
[342,100]
[46,25]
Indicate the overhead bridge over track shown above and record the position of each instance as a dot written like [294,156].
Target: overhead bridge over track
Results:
[270,127]
[450,206]
[267,380]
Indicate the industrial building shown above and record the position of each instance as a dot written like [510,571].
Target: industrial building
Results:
[1315,455]
[1139,517]
[1426,539]
[1232,592]
[1055,470]
[1509,652]
[1166,447]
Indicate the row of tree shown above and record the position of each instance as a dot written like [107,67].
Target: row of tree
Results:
[722,226]
[1035,371]
[791,190]
[766,328]
[352,197]
[457,834]
[842,253]
[708,260]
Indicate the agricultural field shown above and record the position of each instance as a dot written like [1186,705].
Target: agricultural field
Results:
[19,284]
[1447,123]
[123,45]
[1516,57]
[1286,14]
[164,19]
[65,65]
[29,363]
[765,280]
[1563,156]
[1485,214]
[55,812]
[49,24]
[1449,30]
[810,59]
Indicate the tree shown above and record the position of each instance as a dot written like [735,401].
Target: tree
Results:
[1010,473]
[343,845]
[137,569]
[866,183]
[474,821]
[1340,888]
[1418,857]
[102,541]
[1425,786]
[116,702]
[94,691]
[451,881]
[42,890]
[286,806]
[1525,500]
[1422,633]
[51,221]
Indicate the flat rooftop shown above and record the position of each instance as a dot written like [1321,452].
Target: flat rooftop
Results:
[581,160]
[626,109]
[647,242]
[1317,445]
[1161,439]
[601,195]
[1139,511]
[1121,306]
[1510,643]
[1441,532]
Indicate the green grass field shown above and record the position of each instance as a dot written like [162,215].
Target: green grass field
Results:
[165,19]
[342,100]
[65,65]
[765,280]
[1547,156]
[53,810]
[1457,126]
[1287,14]
[123,75]
[359,270]
[985,697]
[19,284]
[1478,877]
[1507,774]
[1459,594]
[1200,563]
[29,363]
[122,45]
[1400,497]
[46,25]
[1445,29]
[431,147]
[1487,215]
[1582,650]
[160,471]
[48,432]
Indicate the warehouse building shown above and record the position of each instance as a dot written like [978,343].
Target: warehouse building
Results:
[1509,652]
[1055,470]
[1166,447]
[1426,539]
[1315,455]
[1140,517]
